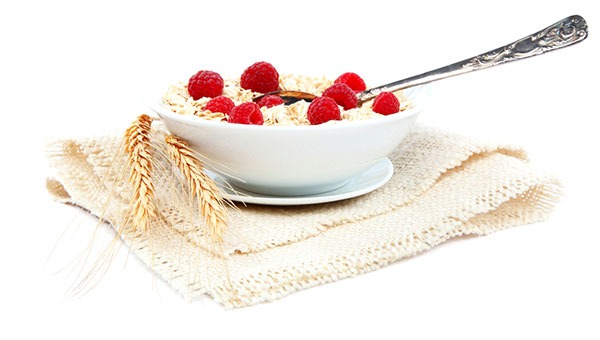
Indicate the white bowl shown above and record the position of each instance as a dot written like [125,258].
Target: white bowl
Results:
[294,160]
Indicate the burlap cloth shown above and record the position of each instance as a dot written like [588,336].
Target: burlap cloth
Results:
[444,185]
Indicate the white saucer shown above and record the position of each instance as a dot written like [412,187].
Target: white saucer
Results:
[365,182]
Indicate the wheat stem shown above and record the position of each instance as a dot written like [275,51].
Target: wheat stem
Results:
[139,161]
[210,202]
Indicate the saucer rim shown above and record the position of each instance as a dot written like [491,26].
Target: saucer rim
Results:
[346,191]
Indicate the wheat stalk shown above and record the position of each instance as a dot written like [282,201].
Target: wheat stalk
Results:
[139,161]
[210,202]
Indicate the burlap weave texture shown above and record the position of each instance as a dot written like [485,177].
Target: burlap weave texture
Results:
[444,185]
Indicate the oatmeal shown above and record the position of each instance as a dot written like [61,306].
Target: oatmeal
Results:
[178,99]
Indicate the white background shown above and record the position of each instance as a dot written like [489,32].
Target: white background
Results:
[77,68]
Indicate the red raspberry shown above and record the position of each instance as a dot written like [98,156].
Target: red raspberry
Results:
[220,104]
[323,109]
[356,83]
[260,77]
[246,113]
[270,101]
[205,84]
[342,94]
[386,103]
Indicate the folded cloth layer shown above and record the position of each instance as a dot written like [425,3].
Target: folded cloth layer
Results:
[444,185]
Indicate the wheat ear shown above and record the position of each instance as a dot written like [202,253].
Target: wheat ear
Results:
[210,202]
[139,161]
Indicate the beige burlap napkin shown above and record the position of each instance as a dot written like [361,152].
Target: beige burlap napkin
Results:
[444,185]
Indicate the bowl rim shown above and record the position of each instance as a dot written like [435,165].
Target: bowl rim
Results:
[415,95]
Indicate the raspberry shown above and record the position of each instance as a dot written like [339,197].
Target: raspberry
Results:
[220,104]
[323,109]
[270,101]
[386,103]
[342,94]
[356,83]
[260,77]
[246,113]
[205,84]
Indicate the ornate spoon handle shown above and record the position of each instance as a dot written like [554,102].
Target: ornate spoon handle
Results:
[564,33]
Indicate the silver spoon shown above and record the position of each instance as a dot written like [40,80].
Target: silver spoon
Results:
[566,32]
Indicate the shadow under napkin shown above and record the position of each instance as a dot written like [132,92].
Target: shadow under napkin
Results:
[444,185]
